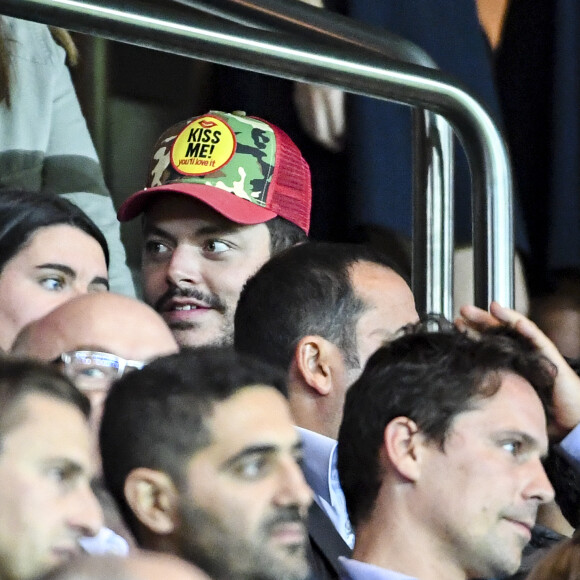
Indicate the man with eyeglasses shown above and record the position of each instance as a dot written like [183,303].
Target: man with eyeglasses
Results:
[95,339]
[93,371]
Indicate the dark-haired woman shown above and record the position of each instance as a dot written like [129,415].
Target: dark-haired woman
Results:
[50,251]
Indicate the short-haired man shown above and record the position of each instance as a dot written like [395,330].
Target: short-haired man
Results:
[322,307]
[318,311]
[225,192]
[200,452]
[46,500]
[440,455]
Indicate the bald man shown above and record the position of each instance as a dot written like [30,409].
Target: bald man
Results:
[95,339]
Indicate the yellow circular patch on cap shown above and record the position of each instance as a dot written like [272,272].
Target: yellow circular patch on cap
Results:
[205,145]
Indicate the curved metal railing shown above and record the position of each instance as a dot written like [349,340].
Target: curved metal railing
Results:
[193,34]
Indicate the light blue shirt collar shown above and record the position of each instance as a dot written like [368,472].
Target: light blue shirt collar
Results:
[322,476]
[105,542]
[571,443]
[355,570]
[319,462]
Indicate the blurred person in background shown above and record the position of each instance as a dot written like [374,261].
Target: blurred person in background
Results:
[46,468]
[44,141]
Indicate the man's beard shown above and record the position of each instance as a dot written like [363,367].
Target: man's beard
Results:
[204,541]
[225,336]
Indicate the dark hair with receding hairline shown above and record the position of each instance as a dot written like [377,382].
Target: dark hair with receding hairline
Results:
[157,417]
[20,377]
[430,377]
[306,289]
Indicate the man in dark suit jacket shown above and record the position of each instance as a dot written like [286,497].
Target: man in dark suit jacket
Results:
[319,310]
[326,545]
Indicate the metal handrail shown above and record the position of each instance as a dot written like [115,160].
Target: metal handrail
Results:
[308,61]
[433,200]
[318,25]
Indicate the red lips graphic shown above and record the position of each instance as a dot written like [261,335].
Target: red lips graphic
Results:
[207,124]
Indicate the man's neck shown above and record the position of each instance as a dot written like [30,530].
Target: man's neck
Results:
[387,542]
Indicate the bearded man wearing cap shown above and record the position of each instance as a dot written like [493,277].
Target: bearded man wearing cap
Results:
[225,192]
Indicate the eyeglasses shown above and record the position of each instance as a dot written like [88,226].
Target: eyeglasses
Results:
[92,370]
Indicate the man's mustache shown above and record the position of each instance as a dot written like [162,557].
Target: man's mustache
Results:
[210,300]
[287,515]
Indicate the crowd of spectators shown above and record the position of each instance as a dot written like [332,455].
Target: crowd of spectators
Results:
[275,408]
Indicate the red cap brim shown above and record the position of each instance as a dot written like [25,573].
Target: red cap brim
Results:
[229,205]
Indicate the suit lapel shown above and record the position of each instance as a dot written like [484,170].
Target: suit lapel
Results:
[327,544]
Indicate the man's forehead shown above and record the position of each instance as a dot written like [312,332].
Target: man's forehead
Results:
[511,389]
[37,403]
[389,303]
[514,408]
[50,429]
[254,414]
[49,342]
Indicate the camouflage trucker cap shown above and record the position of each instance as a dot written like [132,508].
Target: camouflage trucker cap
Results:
[243,167]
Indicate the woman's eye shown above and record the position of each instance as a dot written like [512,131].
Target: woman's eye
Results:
[53,283]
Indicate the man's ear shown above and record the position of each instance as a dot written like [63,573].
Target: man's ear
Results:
[402,443]
[153,499]
[313,359]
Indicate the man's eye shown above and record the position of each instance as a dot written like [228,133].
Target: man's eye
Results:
[57,474]
[155,247]
[95,287]
[52,283]
[253,468]
[299,459]
[92,373]
[216,246]
[61,475]
[513,447]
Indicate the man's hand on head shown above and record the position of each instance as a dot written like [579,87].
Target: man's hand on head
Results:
[567,383]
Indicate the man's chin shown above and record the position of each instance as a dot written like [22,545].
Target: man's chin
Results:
[287,561]
[295,568]
[206,542]
[193,335]
[499,565]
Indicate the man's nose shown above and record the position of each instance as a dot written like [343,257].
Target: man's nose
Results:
[539,486]
[293,487]
[184,266]
[86,514]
